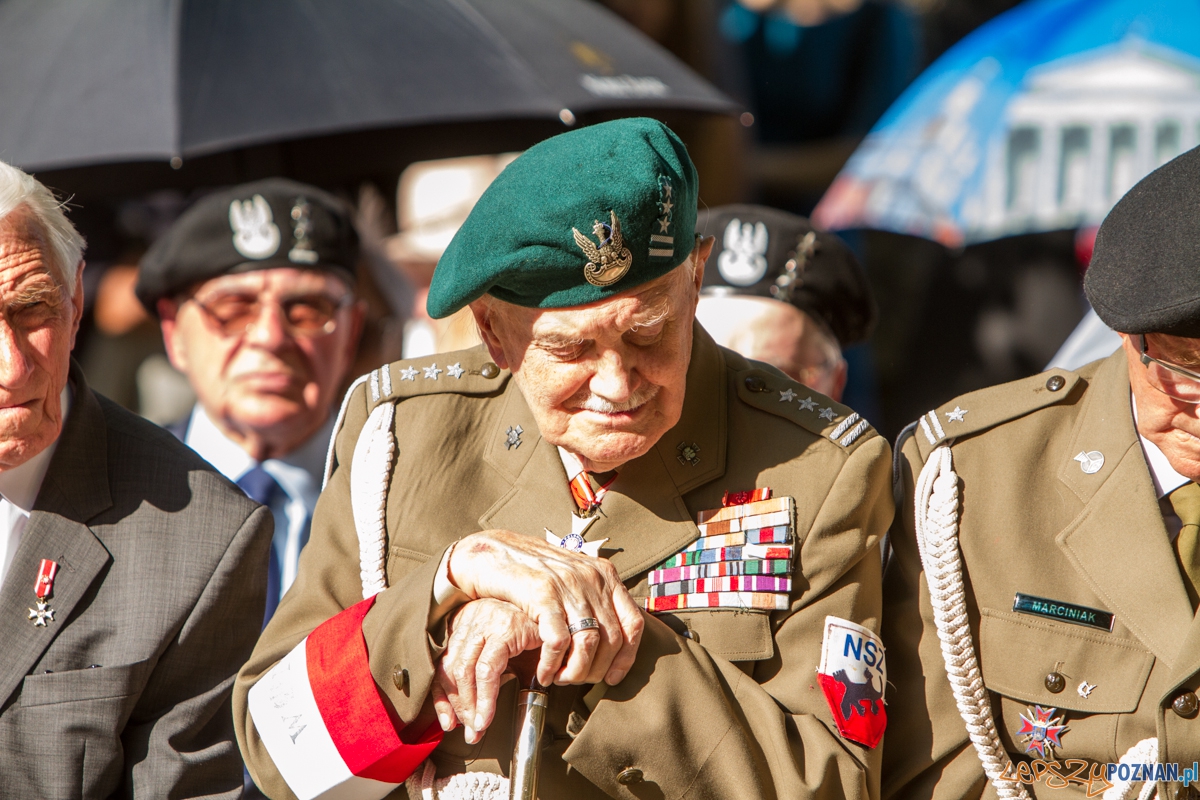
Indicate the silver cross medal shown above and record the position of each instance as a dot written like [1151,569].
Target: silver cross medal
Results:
[574,541]
[514,437]
[44,612]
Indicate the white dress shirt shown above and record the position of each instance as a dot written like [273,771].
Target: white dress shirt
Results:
[19,489]
[298,474]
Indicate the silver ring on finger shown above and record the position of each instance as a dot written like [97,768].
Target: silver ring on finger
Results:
[585,624]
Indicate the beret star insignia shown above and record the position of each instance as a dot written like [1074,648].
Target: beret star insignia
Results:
[608,262]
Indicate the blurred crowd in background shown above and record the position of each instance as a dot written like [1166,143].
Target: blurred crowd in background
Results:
[813,76]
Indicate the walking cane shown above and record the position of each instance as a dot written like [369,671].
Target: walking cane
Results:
[531,718]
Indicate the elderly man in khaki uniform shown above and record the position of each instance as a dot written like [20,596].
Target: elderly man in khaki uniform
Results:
[686,541]
[1041,598]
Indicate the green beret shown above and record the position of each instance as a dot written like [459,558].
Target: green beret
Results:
[575,219]
[1145,271]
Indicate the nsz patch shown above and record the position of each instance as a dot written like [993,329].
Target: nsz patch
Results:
[853,676]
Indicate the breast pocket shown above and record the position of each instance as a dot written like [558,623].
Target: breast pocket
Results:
[82,712]
[1102,676]
[1018,654]
[99,683]
[731,634]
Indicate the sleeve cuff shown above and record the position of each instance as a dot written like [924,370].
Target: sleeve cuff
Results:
[446,596]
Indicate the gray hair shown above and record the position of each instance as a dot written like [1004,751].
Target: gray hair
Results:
[21,190]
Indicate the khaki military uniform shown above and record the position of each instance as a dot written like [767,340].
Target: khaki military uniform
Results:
[720,703]
[1057,503]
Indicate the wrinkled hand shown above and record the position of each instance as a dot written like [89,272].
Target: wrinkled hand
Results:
[484,636]
[555,587]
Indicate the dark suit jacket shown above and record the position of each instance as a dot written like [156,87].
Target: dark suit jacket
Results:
[158,602]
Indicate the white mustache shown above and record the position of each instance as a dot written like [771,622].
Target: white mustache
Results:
[602,405]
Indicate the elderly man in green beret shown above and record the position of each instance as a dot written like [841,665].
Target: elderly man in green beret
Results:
[685,542]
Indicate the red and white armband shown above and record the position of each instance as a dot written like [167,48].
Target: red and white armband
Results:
[325,723]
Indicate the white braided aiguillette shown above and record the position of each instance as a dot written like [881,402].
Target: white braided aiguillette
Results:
[425,784]
[1144,752]
[937,540]
[337,428]
[370,473]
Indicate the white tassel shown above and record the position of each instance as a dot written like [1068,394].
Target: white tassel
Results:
[424,784]
[937,541]
[370,474]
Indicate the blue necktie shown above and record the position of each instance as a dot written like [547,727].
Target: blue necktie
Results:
[260,487]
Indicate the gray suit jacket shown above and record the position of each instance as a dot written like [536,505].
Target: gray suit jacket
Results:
[158,602]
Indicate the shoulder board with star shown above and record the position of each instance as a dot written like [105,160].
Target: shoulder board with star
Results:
[986,408]
[459,372]
[771,391]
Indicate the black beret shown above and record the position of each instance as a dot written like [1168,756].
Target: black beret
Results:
[765,252]
[270,223]
[1145,270]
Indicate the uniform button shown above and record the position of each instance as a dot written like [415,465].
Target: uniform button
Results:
[756,384]
[1055,383]
[630,776]
[1055,682]
[400,678]
[489,370]
[1186,704]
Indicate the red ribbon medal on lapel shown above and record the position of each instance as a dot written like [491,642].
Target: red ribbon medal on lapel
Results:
[43,587]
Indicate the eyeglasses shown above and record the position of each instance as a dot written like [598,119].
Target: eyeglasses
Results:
[1173,381]
[308,315]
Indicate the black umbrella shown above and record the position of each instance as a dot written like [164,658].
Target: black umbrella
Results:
[224,90]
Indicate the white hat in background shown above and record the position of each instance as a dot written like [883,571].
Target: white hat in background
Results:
[433,199]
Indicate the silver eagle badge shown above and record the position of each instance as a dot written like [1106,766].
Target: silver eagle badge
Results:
[608,262]
[255,234]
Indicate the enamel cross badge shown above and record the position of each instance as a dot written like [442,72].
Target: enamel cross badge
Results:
[575,541]
[1041,732]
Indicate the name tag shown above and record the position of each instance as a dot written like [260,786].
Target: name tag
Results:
[1063,612]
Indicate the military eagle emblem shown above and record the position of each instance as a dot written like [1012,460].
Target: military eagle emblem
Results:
[610,260]
[255,234]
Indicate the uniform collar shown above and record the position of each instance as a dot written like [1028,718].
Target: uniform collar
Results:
[1121,522]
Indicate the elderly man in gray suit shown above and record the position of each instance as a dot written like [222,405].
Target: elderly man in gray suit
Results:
[130,571]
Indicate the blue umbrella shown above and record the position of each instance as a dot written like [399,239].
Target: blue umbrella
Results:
[1039,120]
